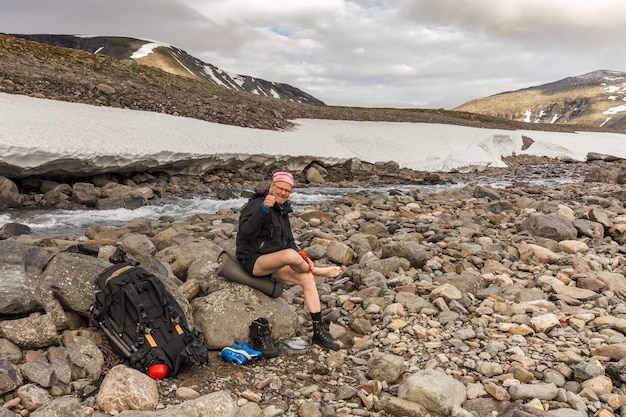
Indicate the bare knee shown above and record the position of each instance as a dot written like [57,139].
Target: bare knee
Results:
[292,257]
[305,280]
[295,261]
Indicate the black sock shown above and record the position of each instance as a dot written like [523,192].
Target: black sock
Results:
[316,316]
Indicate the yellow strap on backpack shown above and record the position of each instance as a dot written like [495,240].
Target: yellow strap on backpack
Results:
[150,340]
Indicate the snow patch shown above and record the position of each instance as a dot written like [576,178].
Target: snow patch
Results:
[146,49]
[612,89]
[529,114]
[274,93]
[615,110]
[40,135]
[237,79]
[541,114]
[209,71]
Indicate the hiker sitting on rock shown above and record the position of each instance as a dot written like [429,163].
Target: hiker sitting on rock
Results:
[266,247]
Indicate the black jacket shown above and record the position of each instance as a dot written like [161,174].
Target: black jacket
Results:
[264,230]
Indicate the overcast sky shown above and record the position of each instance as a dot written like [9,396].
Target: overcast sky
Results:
[388,53]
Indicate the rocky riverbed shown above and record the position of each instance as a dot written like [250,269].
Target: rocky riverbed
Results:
[469,302]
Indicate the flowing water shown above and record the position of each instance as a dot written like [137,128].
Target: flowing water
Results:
[68,223]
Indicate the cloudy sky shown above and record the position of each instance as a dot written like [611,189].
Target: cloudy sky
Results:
[387,53]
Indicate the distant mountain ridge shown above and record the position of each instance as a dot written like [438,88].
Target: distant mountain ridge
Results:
[596,99]
[175,61]
[42,70]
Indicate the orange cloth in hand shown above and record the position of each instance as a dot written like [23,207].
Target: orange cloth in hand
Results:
[306,259]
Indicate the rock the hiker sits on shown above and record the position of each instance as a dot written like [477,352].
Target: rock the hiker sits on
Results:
[266,247]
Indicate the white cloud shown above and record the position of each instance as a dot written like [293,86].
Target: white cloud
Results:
[580,20]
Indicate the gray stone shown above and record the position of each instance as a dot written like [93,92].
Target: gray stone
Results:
[224,319]
[10,377]
[9,194]
[32,397]
[71,277]
[434,390]
[32,332]
[412,251]
[40,373]
[64,406]
[540,391]
[386,367]
[549,226]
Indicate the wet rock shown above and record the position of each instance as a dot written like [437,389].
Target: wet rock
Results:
[85,193]
[9,194]
[13,230]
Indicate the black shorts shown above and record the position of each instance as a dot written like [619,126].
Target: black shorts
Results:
[248,264]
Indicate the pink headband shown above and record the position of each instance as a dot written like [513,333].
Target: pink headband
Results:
[282,176]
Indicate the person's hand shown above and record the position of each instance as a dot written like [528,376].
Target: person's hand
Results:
[269,201]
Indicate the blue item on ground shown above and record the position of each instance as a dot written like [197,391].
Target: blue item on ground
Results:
[236,356]
[254,354]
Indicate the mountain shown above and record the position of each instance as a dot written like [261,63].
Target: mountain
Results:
[596,99]
[65,74]
[175,61]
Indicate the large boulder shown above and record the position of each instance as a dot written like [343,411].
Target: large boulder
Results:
[436,391]
[413,251]
[10,230]
[71,277]
[181,256]
[224,316]
[124,388]
[19,266]
[9,194]
[550,226]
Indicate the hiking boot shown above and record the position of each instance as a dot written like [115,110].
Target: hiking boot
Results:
[261,337]
[322,337]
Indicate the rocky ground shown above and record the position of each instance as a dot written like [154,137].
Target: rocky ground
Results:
[473,302]
[470,302]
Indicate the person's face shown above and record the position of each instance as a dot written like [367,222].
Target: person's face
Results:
[281,190]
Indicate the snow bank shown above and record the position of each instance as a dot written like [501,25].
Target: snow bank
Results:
[40,136]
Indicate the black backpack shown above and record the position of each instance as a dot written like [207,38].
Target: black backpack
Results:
[143,322]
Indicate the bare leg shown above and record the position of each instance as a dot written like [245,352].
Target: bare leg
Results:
[289,266]
[327,271]
[273,262]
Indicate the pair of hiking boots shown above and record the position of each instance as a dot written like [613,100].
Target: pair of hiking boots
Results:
[261,337]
